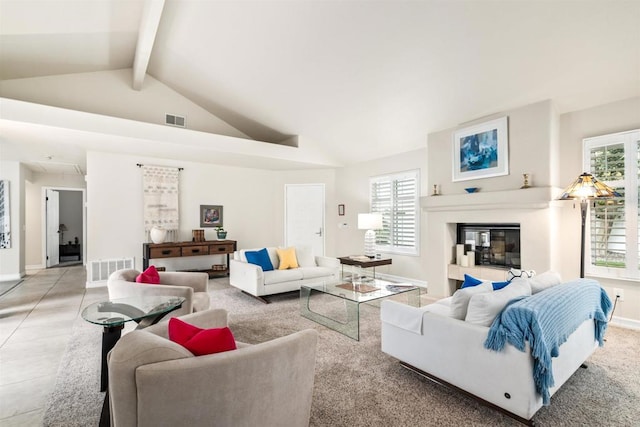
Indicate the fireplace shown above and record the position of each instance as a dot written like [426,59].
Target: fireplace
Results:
[494,244]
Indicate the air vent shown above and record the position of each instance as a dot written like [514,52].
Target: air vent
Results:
[173,120]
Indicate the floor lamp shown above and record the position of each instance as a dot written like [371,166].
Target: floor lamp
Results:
[586,187]
[370,222]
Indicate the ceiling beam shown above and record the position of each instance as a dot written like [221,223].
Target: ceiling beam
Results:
[149,22]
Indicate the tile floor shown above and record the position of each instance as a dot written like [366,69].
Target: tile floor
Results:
[36,319]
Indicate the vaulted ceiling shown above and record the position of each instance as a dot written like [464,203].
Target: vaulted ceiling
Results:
[361,79]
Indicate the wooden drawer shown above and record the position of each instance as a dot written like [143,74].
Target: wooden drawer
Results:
[195,250]
[166,252]
[224,248]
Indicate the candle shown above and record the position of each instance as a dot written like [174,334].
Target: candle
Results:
[459,254]
[471,258]
[465,261]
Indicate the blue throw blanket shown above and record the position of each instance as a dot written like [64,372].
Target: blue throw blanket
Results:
[546,320]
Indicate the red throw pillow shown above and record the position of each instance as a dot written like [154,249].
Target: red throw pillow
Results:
[150,275]
[201,341]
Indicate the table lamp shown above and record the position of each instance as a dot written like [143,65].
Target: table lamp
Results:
[61,229]
[370,222]
[584,188]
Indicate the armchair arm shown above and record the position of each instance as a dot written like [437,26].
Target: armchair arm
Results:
[197,281]
[124,289]
[246,276]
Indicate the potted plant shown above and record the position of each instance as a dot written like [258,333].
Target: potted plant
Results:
[222,234]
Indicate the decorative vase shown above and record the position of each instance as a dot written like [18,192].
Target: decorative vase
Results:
[158,234]
[222,235]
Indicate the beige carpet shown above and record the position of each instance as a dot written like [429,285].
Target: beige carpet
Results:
[358,385]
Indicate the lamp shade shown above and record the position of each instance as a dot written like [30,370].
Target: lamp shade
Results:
[369,221]
[63,228]
[586,186]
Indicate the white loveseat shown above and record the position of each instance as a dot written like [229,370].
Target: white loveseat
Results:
[252,280]
[452,352]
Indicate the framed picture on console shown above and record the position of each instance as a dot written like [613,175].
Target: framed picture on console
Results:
[481,151]
[210,216]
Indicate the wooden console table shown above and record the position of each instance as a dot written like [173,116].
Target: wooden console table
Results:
[184,249]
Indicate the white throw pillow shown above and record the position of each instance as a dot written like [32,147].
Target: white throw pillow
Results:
[544,281]
[484,307]
[305,257]
[461,297]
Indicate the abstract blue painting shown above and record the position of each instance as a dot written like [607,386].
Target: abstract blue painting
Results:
[481,151]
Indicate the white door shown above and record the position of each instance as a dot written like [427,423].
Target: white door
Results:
[53,224]
[304,216]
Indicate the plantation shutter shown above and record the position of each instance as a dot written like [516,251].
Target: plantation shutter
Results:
[396,198]
[614,235]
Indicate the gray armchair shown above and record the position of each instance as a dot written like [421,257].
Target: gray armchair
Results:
[156,382]
[191,286]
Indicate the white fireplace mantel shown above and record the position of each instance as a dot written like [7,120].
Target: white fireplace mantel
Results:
[527,198]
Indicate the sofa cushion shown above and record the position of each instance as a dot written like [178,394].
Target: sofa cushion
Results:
[544,281]
[304,255]
[484,307]
[201,341]
[461,298]
[279,276]
[499,285]
[260,258]
[314,272]
[287,257]
[470,281]
[273,256]
[150,275]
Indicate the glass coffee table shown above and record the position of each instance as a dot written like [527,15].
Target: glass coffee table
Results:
[344,316]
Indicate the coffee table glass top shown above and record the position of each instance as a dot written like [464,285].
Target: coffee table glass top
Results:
[367,290]
[118,311]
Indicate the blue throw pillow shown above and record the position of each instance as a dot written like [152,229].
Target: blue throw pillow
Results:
[499,285]
[470,281]
[260,258]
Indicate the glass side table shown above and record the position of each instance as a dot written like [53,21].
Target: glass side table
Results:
[113,314]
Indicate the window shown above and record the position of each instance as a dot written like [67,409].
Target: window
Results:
[614,233]
[396,198]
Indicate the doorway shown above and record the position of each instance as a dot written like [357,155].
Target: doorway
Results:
[304,216]
[64,236]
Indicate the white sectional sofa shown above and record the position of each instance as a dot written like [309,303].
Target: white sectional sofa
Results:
[251,279]
[452,352]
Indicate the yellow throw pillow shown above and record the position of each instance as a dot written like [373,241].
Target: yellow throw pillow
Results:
[287,258]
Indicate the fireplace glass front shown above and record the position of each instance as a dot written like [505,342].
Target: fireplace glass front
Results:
[494,244]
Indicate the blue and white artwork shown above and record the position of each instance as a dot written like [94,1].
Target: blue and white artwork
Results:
[479,151]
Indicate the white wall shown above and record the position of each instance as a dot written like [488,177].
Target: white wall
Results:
[12,265]
[252,199]
[574,127]
[352,190]
[35,211]
[110,93]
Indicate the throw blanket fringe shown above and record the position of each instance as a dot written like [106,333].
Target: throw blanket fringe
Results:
[546,320]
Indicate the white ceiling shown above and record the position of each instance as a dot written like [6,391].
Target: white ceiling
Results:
[361,79]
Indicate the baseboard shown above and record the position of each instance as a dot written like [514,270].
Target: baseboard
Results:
[10,277]
[97,284]
[34,267]
[624,322]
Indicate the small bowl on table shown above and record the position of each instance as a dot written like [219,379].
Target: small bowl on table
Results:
[472,190]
